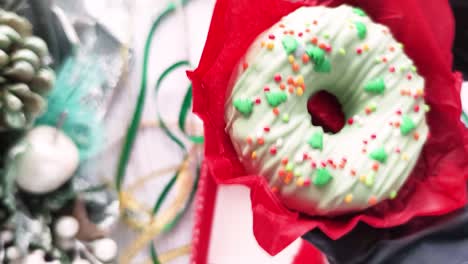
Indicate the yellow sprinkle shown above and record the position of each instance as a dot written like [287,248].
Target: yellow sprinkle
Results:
[300,182]
[349,198]
[366,47]
[342,51]
[419,92]
[299,92]
[271,46]
[405,157]
[262,44]
[254,155]
[291,59]
[363,178]
[300,80]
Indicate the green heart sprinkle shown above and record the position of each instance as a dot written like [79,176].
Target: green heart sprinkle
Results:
[376,86]
[276,98]
[316,140]
[322,177]
[289,44]
[379,154]
[361,30]
[359,12]
[244,106]
[407,125]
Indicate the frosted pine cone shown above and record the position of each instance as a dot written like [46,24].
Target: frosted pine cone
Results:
[24,76]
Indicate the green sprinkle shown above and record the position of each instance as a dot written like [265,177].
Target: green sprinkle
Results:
[403,69]
[400,45]
[426,108]
[370,180]
[393,195]
[297,172]
[358,11]
[290,44]
[285,118]
[322,177]
[326,36]
[244,106]
[276,98]
[379,154]
[414,69]
[342,51]
[361,29]
[376,86]
[316,140]
[407,125]
[372,107]
[307,24]
[289,167]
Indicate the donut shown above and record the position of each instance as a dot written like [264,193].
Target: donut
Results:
[343,52]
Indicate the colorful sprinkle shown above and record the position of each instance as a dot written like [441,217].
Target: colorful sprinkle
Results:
[276,111]
[254,155]
[342,51]
[305,58]
[290,44]
[393,195]
[361,29]
[316,140]
[376,86]
[299,91]
[379,154]
[273,150]
[277,77]
[348,199]
[300,182]
[426,108]
[274,99]
[407,125]
[244,106]
[296,67]
[270,46]
[322,177]
[291,59]
[370,180]
[372,200]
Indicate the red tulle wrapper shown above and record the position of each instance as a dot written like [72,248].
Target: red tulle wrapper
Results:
[437,183]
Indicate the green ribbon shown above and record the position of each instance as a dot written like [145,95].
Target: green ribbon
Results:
[465,118]
[132,130]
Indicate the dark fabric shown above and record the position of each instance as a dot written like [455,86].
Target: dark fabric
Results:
[442,240]
[460,50]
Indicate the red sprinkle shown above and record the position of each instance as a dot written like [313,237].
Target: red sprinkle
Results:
[328,48]
[245,66]
[278,77]
[305,58]
[314,41]
[266,129]
[314,165]
[392,69]
[305,156]
[384,60]
[375,166]
[350,121]
[258,101]
[315,22]
[353,172]
[364,150]
[409,76]
[300,34]
[330,161]
[398,112]
[249,140]
[344,160]
[397,150]
[273,150]
[365,142]
[307,182]
[276,111]
[373,136]
[416,136]
[372,200]
[260,141]
[271,36]
[323,164]
[284,161]
[359,51]
[266,89]
[416,108]
[323,46]
[281,173]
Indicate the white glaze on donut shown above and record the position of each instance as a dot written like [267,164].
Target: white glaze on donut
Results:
[359,52]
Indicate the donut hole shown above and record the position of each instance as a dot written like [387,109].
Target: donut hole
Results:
[326,111]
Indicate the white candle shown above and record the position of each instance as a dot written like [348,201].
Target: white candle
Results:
[50,160]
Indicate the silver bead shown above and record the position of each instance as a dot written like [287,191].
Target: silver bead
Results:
[12,34]
[20,24]
[37,45]
[21,70]
[43,81]
[12,102]
[104,249]
[26,55]
[5,42]
[4,58]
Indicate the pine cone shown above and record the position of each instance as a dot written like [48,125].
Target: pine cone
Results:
[24,75]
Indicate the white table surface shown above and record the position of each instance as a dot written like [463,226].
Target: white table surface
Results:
[180,37]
